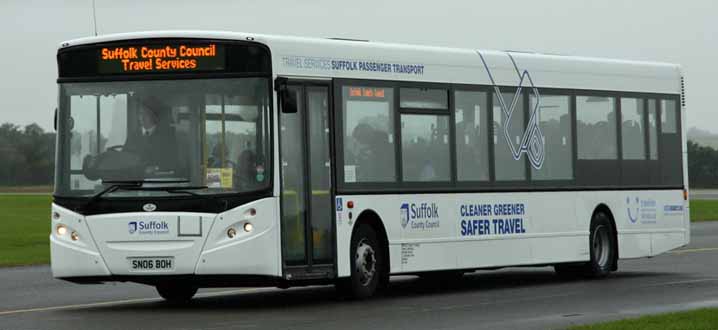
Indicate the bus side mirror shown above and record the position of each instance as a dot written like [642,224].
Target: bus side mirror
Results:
[287,98]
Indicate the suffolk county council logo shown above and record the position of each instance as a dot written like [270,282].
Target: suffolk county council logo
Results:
[132,227]
[419,216]
[532,141]
[404,214]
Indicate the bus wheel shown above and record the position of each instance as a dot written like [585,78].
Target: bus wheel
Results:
[367,264]
[602,247]
[176,293]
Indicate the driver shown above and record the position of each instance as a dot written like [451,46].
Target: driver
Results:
[153,142]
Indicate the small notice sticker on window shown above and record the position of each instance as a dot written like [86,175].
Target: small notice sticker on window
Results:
[219,177]
[350,173]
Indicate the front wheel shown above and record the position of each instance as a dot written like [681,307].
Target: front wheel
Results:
[367,264]
[176,293]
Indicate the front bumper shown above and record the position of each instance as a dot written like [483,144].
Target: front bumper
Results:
[107,242]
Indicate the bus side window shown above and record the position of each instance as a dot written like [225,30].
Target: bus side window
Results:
[670,144]
[555,123]
[472,135]
[368,134]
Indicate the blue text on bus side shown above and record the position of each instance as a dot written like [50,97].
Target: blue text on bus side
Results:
[496,219]
[420,216]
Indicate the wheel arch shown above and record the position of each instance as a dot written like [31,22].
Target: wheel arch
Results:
[603,208]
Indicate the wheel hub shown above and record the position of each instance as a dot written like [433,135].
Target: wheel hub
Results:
[601,245]
[365,262]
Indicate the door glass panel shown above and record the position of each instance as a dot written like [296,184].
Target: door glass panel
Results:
[319,164]
[293,183]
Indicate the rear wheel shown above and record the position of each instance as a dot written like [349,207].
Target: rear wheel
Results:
[368,264]
[602,249]
[176,292]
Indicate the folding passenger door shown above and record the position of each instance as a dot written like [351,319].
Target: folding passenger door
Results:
[306,179]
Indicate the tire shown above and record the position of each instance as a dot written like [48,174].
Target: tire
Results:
[602,249]
[176,293]
[368,265]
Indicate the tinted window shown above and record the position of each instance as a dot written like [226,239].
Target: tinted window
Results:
[508,168]
[596,127]
[652,130]
[368,132]
[632,128]
[555,124]
[668,116]
[422,98]
[425,147]
[472,136]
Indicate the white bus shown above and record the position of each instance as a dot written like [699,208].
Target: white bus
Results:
[206,159]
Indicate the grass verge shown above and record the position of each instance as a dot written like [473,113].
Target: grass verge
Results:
[704,210]
[25,220]
[706,318]
[26,189]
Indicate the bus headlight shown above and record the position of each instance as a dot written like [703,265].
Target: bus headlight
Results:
[61,230]
[74,236]
[248,227]
[231,232]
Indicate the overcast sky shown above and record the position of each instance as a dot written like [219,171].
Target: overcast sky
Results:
[683,32]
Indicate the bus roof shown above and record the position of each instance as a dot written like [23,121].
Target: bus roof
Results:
[352,59]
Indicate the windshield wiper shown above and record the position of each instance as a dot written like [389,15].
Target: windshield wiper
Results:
[115,185]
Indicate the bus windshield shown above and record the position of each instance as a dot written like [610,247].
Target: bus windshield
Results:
[211,133]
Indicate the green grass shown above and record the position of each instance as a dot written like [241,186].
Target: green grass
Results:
[704,210]
[26,189]
[706,318]
[24,238]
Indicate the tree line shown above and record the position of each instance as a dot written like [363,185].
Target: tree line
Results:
[27,158]
[27,155]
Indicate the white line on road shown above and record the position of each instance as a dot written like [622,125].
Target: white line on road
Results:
[126,301]
[693,250]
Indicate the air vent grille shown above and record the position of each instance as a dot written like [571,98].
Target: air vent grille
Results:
[683,92]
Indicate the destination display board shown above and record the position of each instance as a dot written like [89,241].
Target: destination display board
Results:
[161,58]
[153,57]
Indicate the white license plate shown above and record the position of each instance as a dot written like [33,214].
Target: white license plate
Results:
[151,263]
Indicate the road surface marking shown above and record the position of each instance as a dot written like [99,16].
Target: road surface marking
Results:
[126,301]
[682,282]
[693,250]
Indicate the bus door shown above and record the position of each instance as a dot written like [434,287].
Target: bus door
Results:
[306,179]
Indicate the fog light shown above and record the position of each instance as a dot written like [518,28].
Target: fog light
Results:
[231,232]
[61,230]
[74,236]
[248,227]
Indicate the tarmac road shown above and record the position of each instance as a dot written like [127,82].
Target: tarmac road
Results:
[703,193]
[518,298]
